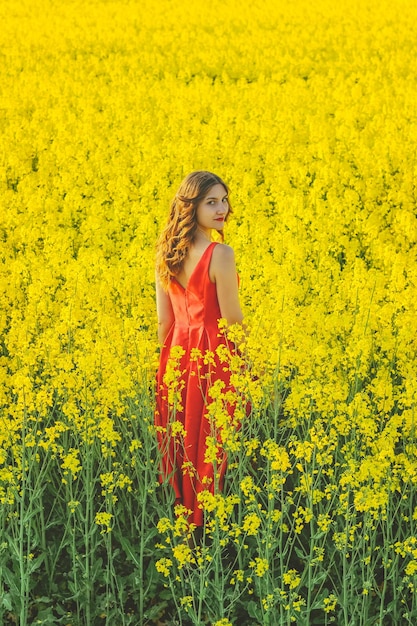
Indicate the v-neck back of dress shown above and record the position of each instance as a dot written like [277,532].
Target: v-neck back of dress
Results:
[200,260]
[195,306]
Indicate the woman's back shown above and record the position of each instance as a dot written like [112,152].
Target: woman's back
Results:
[191,261]
[195,304]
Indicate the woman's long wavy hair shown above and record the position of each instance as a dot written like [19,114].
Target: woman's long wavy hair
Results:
[180,231]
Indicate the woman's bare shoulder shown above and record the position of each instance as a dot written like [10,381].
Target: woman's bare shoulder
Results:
[222,261]
[223,253]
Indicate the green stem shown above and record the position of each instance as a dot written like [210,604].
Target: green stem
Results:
[88,521]
[24,581]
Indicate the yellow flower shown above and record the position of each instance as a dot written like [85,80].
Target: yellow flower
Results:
[195,354]
[251,523]
[324,521]
[173,378]
[260,566]
[135,444]
[164,525]
[163,566]
[213,449]
[238,576]
[291,578]
[104,519]
[71,464]
[329,603]
[411,568]
[72,505]
[247,486]
[177,429]
[183,555]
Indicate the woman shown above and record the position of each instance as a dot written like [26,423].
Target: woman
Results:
[196,285]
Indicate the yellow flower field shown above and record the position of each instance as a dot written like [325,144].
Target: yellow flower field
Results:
[307,110]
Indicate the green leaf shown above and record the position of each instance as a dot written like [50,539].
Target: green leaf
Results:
[319,578]
[255,611]
[6,602]
[301,554]
[156,610]
[34,564]
[12,581]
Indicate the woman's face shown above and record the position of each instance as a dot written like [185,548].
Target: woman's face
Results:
[213,209]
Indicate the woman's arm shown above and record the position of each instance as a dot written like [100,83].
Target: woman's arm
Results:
[164,311]
[223,271]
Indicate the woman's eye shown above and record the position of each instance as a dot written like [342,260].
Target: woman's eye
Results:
[225,199]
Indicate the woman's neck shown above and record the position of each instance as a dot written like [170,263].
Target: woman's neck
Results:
[203,235]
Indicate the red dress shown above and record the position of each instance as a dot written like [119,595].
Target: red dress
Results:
[182,394]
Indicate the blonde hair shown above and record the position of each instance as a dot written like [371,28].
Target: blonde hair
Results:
[180,231]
